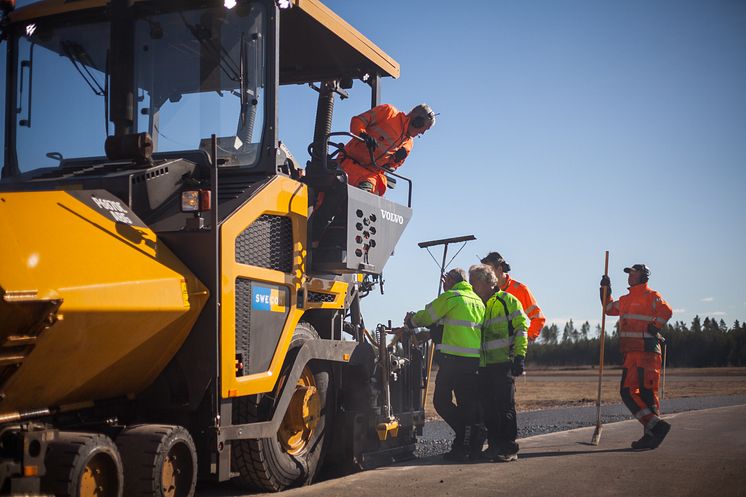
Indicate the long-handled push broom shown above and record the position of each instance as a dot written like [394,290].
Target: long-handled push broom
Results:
[597,433]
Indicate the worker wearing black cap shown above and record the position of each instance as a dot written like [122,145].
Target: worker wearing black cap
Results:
[642,314]
[518,290]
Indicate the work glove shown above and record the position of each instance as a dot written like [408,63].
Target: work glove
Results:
[370,142]
[656,332]
[436,333]
[400,154]
[519,365]
[605,282]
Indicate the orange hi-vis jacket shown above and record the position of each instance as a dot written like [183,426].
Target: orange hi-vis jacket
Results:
[389,128]
[637,310]
[530,307]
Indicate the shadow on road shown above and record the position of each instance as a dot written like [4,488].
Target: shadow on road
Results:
[552,453]
[437,460]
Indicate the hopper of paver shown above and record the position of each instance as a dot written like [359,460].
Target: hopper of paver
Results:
[92,304]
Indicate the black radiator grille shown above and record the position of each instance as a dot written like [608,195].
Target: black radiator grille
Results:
[243,322]
[321,297]
[267,243]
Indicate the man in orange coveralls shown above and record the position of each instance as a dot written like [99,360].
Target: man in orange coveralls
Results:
[642,314]
[389,134]
[517,290]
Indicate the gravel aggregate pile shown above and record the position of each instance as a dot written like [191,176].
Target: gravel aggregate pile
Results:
[437,435]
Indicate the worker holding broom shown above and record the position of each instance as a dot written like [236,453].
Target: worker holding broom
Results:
[643,313]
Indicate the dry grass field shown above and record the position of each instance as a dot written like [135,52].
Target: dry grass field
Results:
[547,388]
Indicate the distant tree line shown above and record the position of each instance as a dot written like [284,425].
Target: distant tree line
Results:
[708,342]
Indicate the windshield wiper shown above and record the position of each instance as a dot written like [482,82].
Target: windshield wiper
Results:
[247,116]
[226,63]
[81,60]
[29,66]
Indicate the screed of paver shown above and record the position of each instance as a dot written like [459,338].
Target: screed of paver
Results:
[703,455]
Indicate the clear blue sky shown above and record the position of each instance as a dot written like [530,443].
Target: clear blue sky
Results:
[567,128]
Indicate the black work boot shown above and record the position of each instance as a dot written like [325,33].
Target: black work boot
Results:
[646,442]
[490,453]
[458,453]
[478,436]
[508,452]
[659,431]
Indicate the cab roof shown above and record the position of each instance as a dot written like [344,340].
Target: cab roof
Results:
[315,43]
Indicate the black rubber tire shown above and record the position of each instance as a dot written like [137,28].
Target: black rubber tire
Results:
[69,454]
[144,449]
[263,464]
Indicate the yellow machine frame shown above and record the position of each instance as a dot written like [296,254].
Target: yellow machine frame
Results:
[281,197]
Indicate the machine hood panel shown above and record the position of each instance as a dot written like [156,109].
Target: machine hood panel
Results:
[94,304]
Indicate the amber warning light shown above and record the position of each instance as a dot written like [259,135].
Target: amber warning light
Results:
[196,200]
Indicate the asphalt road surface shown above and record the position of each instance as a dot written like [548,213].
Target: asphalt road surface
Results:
[702,456]
[437,435]
[710,444]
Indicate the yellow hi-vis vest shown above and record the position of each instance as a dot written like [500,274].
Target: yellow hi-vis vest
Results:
[460,310]
[504,334]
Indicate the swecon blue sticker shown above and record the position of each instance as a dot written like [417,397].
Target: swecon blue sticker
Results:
[267,299]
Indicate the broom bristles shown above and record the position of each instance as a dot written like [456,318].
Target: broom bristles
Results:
[596,435]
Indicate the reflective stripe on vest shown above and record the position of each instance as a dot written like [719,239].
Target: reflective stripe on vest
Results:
[504,330]
[388,143]
[453,349]
[639,317]
[431,311]
[533,308]
[498,343]
[502,319]
[466,295]
[460,311]
[642,413]
[632,334]
[501,343]
[460,322]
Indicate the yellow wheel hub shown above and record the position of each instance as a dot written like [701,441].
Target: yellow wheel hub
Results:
[97,479]
[176,473]
[302,416]
[168,476]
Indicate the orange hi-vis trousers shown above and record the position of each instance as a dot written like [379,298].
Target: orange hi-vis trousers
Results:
[641,373]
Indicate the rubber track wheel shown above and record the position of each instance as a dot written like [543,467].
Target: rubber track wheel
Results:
[261,463]
[67,456]
[144,448]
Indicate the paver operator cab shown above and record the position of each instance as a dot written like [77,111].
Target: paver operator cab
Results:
[178,299]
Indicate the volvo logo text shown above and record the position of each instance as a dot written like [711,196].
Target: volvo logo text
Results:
[390,216]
